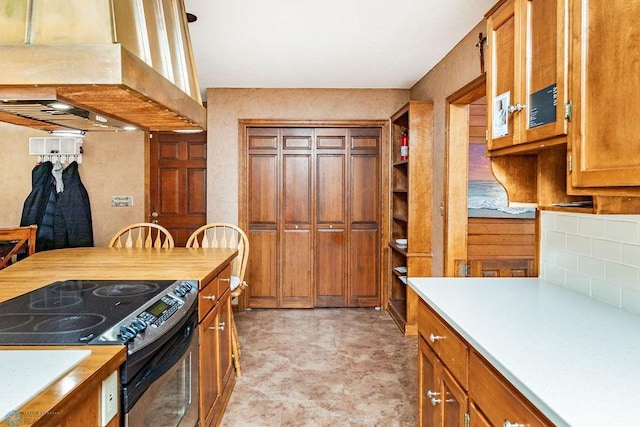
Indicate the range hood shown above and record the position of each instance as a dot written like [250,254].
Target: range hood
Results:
[103,65]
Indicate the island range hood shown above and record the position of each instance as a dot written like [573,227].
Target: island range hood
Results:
[103,65]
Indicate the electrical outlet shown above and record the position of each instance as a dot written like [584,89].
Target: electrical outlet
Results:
[121,201]
[109,398]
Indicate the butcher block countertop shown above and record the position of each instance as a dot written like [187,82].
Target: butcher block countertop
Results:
[573,357]
[43,268]
[46,267]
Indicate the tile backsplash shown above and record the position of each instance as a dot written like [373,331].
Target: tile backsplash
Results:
[597,255]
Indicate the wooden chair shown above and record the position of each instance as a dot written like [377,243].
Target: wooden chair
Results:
[142,235]
[15,241]
[223,235]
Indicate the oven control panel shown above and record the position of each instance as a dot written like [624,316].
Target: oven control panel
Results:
[155,317]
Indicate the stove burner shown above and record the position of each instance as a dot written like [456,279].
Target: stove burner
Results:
[11,321]
[69,323]
[126,289]
[55,302]
[74,286]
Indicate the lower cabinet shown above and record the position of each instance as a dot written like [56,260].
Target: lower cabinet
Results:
[457,387]
[216,367]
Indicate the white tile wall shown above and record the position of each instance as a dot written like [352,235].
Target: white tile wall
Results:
[597,255]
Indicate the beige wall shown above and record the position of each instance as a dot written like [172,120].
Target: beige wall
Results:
[113,164]
[459,67]
[226,106]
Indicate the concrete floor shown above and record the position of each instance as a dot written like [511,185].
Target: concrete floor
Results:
[323,367]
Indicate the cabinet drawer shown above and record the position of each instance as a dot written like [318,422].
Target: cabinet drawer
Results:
[223,281]
[498,400]
[450,348]
[207,298]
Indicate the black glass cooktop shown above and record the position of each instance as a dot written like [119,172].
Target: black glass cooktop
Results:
[73,311]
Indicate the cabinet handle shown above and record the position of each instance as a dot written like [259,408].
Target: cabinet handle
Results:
[508,423]
[435,401]
[518,107]
[432,393]
[221,326]
[211,297]
[296,227]
[434,338]
[228,279]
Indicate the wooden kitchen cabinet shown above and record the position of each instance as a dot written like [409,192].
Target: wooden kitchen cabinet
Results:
[456,385]
[410,206]
[216,367]
[605,95]
[526,75]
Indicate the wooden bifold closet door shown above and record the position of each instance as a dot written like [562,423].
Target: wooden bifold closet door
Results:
[313,217]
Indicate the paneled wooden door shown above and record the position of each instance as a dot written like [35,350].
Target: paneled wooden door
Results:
[313,216]
[178,182]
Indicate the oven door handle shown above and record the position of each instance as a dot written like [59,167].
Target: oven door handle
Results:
[167,358]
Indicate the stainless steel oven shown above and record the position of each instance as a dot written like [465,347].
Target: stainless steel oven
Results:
[171,398]
[157,321]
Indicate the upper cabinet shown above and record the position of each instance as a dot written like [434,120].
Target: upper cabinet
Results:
[527,69]
[604,138]
[556,69]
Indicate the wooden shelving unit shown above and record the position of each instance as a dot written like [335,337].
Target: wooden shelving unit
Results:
[410,216]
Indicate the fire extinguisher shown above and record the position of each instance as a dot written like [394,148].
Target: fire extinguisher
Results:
[404,146]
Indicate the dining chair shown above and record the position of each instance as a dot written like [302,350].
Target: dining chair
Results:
[142,235]
[229,236]
[16,242]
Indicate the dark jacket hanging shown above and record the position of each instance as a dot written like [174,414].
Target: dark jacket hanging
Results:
[73,226]
[39,205]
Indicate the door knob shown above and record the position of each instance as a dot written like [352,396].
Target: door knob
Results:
[154,215]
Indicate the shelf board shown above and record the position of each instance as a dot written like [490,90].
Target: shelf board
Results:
[400,190]
[400,250]
[401,163]
[403,218]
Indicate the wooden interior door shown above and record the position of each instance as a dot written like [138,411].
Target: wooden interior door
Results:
[178,183]
[296,219]
[314,212]
[331,218]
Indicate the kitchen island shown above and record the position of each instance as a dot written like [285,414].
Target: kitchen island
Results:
[574,358]
[67,394]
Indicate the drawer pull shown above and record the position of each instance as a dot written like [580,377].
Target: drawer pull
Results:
[434,338]
[211,297]
[221,326]
[508,423]
[435,401]
[228,279]
[432,393]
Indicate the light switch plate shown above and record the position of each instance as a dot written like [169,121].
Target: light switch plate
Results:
[109,398]
[121,201]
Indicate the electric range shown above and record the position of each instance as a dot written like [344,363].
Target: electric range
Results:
[155,319]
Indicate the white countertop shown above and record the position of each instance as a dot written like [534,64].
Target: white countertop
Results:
[576,359]
[25,373]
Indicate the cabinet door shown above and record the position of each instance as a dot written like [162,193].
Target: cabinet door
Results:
[605,92]
[476,419]
[544,58]
[429,393]
[526,82]
[225,362]
[502,70]
[454,401]
[210,389]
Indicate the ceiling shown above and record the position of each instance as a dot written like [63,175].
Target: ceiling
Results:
[325,43]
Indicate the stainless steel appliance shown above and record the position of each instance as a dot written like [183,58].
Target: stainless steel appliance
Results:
[156,320]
